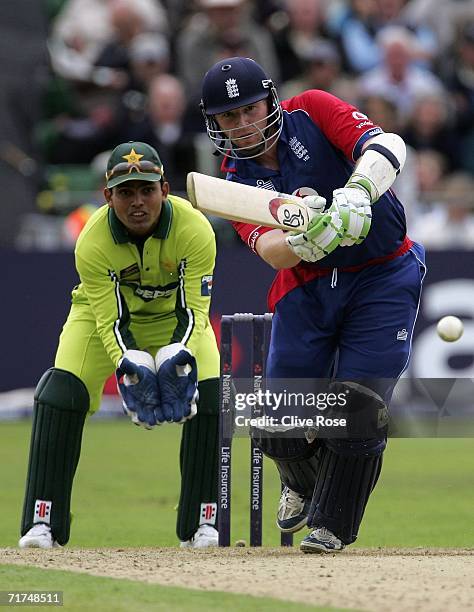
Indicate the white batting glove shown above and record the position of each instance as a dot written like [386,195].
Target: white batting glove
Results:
[323,235]
[315,203]
[355,211]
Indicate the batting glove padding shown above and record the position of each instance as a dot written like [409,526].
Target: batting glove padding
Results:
[177,379]
[354,209]
[138,386]
[324,234]
[315,203]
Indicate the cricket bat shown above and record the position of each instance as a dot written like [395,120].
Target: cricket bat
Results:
[254,205]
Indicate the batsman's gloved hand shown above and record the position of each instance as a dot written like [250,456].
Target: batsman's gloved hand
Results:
[315,203]
[355,211]
[138,386]
[177,380]
[324,233]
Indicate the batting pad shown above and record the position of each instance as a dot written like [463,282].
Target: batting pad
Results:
[347,475]
[297,460]
[299,475]
[199,463]
[61,405]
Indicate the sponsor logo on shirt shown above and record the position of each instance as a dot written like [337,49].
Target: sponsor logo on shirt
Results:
[364,120]
[363,124]
[147,293]
[358,115]
[130,272]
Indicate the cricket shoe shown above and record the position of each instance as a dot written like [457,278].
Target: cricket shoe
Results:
[205,537]
[321,540]
[293,511]
[39,536]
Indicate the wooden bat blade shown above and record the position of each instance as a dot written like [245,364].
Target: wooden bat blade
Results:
[238,202]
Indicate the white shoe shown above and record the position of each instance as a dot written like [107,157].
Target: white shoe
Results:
[293,511]
[205,537]
[39,536]
[321,540]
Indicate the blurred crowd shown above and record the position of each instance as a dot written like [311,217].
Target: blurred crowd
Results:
[122,70]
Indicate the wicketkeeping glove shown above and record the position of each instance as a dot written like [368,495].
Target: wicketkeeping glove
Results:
[355,211]
[177,380]
[138,386]
[324,233]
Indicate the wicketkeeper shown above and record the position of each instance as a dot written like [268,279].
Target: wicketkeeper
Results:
[145,261]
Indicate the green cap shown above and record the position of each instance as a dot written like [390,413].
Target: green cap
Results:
[133,161]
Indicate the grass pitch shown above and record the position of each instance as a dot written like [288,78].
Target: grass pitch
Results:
[126,492]
[82,593]
[127,488]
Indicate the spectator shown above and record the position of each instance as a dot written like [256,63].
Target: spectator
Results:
[78,139]
[393,12]
[220,28]
[294,33]
[460,82]
[127,22]
[431,171]
[356,28]
[451,222]
[385,114]
[84,27]
[441,16]
[322,70]
[429,127]
[149,56]
[398,77]
[163,126]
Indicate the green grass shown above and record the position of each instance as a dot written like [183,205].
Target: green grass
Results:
[127,487]
[82,592]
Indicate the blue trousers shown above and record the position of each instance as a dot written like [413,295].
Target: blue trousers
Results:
[353,326]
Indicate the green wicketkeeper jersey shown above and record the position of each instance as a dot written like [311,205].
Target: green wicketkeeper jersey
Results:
[166,279]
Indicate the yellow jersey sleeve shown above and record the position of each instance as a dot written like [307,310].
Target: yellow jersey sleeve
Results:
[196,250]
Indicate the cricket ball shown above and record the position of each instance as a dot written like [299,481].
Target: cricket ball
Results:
[450,328]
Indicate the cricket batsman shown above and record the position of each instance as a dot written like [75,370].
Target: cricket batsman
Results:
[145,261]
[346,293]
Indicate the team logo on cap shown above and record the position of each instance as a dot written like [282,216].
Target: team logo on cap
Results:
[232,88]
[132,157]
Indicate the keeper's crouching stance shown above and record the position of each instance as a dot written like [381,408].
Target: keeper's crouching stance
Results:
[145,261]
